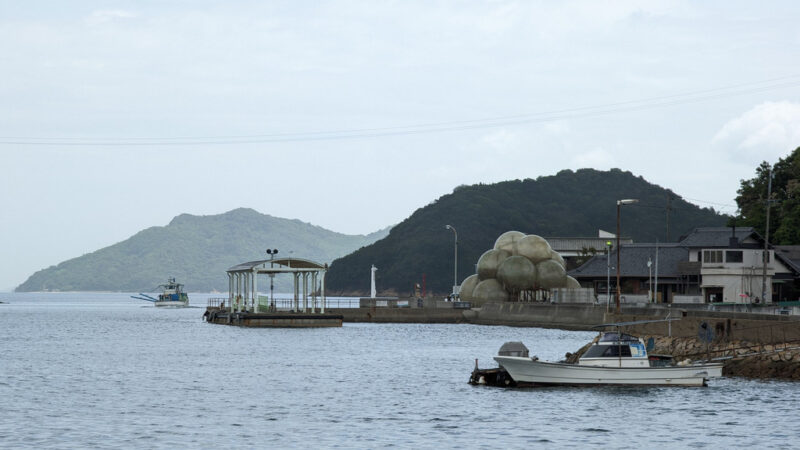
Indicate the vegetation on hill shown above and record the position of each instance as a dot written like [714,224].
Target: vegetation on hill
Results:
[568,204]
[784,221]
[196,250]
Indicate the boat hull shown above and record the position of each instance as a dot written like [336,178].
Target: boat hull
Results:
[172,303]
[529,371]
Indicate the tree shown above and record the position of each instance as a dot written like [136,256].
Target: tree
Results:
[784,223]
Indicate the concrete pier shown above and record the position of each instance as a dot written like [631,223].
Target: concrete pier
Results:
[274,319]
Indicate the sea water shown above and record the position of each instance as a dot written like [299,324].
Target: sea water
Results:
[105,371]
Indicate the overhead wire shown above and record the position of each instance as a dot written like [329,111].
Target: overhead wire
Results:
[436,127]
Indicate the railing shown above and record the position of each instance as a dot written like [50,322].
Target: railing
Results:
[216,302]
[287,304]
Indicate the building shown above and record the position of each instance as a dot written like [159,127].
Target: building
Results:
[709,265]
[576,250]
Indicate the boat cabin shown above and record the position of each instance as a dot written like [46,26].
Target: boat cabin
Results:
[612,349]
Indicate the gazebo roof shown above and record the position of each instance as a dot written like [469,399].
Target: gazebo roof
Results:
[277,265]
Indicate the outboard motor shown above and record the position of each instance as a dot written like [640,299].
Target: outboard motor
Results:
[513,348]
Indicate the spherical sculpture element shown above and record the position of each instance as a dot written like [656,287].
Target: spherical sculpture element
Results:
[572,283]
[517,273]
[555,256]
[533,247]
[506,240]
[489,261]
[489,291]
[467,288]
[550,274]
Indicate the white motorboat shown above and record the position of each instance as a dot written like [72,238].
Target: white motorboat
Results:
[614,358]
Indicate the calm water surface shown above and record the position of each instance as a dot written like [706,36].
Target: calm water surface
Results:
[103,371]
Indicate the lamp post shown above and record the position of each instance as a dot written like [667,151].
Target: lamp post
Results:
[608,274]
[649,280]
[627,201]
[455,258]
[271,253]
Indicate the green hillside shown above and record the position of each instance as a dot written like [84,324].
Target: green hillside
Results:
[569,204]
[196,250]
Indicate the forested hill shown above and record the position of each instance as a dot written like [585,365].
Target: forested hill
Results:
[196,250]
[569,204]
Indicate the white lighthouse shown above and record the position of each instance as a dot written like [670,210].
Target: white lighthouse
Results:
[372,285]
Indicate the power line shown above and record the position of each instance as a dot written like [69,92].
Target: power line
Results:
[438,127]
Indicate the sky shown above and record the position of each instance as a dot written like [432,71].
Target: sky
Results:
[116,116]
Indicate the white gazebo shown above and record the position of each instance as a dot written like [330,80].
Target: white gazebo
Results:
[243,283]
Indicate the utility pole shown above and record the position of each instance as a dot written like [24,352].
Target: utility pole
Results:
[765,256]
[669,208]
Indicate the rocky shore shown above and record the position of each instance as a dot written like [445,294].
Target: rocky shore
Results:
[741,358]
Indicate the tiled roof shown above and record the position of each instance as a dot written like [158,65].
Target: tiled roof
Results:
[633,261]
[708,237]
[576,244]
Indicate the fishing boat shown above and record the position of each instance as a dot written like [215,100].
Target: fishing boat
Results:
[614,358]
[171,296]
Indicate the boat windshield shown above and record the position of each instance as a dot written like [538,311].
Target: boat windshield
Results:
[607,351]
[618,337]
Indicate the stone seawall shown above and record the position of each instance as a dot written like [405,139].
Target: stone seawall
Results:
[401,315]
[545,315]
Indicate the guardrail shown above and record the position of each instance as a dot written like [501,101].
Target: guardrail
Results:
[287,304]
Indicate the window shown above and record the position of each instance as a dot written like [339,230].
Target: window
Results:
[610,351]
[733,256]
[712,256]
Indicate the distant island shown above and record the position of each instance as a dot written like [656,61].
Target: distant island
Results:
[196,250]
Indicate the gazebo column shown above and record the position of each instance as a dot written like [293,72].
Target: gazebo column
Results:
[305,292]
[295,300]
[313,291]
[255,290]
[322,293]
[243,300]
[230,292]
[238,292]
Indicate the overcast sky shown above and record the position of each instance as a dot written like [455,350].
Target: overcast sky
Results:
[116,116]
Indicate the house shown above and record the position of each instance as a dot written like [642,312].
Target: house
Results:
[709,265]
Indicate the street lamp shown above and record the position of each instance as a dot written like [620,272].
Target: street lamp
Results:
[455,259]
[608,274]
[627,201]
[649,280]
[271,253]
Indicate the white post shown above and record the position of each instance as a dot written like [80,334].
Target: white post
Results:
[230,292]
[305,292]
[238,283]
[295,301]
[255,290]
[372,290]
[322,292]
[313,291]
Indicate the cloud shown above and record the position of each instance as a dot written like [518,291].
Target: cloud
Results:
[597,158]
[769,130]
[101,17]
[503,142]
